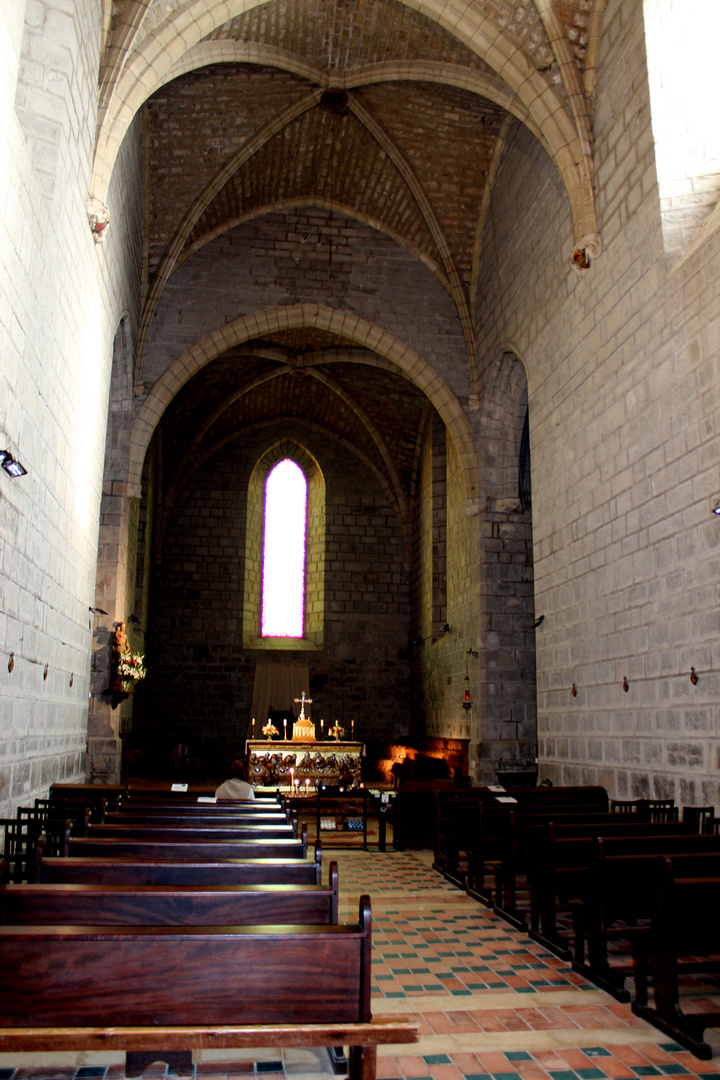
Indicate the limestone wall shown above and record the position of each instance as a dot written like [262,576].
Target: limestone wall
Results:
[622,366]
[58,301]
[203,676]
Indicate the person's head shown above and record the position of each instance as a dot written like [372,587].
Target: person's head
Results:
[238,769]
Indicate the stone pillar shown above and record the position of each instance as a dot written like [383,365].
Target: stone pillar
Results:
[114,595]
[507,708]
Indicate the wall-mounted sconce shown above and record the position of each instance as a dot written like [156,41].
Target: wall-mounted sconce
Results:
[693,676]
[716,507]
[539,621]
[574,690]
[445,628]
[467,700]
[136,622]
[45,672]
[10,465]
[625,684]
[11,661]
[417,641]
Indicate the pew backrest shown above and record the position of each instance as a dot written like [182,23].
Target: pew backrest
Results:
[182,905]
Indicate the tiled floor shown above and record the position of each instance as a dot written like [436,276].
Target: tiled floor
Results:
[491,1003]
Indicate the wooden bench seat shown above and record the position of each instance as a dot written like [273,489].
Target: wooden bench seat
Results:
[494,846]
[157,991]
[620,894]
[195,830]
[188,871]
[291,848]
[561,867]
[683,940]
[179,905]
[220,815]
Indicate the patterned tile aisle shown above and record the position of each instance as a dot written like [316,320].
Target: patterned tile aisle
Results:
[492,1005]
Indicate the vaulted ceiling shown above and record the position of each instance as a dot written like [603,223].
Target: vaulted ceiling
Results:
[389,112]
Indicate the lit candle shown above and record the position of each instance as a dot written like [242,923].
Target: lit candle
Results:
[292,774]
[284,729]
[253,727]
[307,787]
[352,729]
[321,728]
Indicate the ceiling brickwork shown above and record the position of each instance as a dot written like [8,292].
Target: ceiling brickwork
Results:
[334,161]
[392,115]
[340,36]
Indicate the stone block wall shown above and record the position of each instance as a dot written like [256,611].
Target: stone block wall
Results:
[623,394]
[59,298]
[283,260]
[203,676]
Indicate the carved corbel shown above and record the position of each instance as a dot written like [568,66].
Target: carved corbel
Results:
[589,248]
[98,218]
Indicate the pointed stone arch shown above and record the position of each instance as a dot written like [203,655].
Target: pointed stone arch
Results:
[335,321]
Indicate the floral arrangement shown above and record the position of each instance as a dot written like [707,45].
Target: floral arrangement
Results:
[131,667]
[336,731]
[269,730]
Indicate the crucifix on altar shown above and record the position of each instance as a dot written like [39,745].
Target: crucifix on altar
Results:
[303,728]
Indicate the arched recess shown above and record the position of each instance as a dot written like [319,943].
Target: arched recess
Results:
[286,318]
[314,550]
[147,69]
[193,455]
[508,694]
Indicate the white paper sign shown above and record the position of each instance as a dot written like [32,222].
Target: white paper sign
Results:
[504,798]
[179,787]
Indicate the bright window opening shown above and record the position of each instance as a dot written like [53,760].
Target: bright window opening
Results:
[283,582]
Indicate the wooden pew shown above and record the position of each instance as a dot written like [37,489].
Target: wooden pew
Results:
[187,871]
[684,939]
[161,992]
[179,905]
[92,795]
[493,840]
[522,831]
[619,895]
[186,815]
[198,850]
[463,815]
[561,866]
[194,830]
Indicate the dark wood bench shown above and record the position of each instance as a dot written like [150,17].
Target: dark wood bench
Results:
[188,815]
[494,840]
[195,830]
[683,940]
[92,795]
[233,808]
[179,905]
[187,871]
[619,898]
[561,862]
[292,848]
[523,829]
[462,817]
[162,992]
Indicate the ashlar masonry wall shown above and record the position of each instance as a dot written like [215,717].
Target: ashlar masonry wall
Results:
[59,304]
[202,687]
[624,396]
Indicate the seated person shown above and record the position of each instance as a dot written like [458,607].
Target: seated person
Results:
[237,787]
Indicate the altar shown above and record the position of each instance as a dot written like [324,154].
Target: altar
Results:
[304,766]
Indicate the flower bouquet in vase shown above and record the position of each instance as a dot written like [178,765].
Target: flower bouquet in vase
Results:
[131,669]
[336,732]
[269,730]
